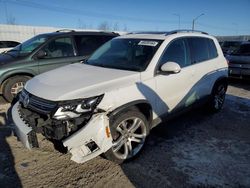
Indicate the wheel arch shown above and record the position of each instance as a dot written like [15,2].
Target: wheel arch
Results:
[13,74]
[142,105]
[223,79]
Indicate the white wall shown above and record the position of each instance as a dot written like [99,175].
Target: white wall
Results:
[21,33]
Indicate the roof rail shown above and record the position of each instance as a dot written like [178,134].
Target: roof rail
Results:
[185,31]
[65,30]
[149,32]
[169,32]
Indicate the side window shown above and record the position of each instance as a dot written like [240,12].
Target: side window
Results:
[86,45]
[212,50]
[198,49]
[61,47]
[11,44]
[176,52]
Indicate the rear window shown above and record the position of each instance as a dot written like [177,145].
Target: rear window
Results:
[212,50]
[87,44]
[201,49]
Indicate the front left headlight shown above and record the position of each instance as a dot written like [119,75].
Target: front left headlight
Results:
[76,108]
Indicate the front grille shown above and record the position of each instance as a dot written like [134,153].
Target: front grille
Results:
[35,103]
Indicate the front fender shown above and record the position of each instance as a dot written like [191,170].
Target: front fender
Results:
[11,73]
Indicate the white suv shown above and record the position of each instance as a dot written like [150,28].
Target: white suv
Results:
[109,103]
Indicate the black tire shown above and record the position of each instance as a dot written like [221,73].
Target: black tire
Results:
[143,130]
[217,97]
[11,83]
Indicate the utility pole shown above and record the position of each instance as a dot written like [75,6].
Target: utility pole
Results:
[179,20]
[195,20]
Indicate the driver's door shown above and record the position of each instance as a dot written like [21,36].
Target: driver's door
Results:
[175,90]
[58,52]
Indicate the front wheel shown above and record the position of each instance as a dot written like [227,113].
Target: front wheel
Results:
[13,86]
[129,135]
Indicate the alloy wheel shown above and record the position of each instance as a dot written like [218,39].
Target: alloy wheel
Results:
[16,88]
[130,138]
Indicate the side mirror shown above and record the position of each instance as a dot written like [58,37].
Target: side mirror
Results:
[41,54]
[171,67]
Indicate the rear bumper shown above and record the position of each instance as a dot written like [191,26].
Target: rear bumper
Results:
[96,132]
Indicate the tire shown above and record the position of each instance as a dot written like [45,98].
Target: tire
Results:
[217,97]
[13,86]
[126,145]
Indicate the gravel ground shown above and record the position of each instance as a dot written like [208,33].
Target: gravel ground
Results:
[193,150]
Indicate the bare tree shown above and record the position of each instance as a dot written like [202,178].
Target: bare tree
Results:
[81,24]
[125,28]
[116,27]
[11,20]
[104,26]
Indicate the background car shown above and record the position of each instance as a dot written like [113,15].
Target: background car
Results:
[239,61]
[7,45]
[45,52]
[229,46]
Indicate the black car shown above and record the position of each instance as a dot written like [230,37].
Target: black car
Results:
[239,61]
[45,52]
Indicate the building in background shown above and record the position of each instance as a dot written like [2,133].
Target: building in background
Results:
[21,33]
[233,38]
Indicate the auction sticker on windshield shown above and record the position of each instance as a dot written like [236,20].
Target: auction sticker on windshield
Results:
[147,43]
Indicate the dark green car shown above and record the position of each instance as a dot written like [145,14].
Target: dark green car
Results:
[45,52]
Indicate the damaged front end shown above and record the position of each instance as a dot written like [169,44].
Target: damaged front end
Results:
[77,125]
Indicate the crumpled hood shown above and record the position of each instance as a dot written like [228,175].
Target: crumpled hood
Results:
[79,81]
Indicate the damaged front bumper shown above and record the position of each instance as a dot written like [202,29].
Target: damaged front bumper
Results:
[88,142]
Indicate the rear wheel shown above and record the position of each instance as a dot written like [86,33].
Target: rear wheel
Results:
[13,86]
[218,96]
[129,135]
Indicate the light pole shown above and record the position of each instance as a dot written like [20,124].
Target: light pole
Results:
[179,19]
[196,19]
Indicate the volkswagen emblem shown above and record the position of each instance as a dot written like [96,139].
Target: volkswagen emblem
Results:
[26,101]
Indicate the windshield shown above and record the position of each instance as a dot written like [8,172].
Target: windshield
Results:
[125,54]
[28,46]
[228,44]
[243,49]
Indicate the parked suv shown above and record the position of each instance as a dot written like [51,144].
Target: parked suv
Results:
[239,61]
[45,52]
[108,104]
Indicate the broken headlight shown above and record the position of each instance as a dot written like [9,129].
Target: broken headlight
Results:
[76,108]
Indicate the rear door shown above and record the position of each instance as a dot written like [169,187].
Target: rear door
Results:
[59,52]
[204,62]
